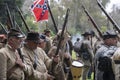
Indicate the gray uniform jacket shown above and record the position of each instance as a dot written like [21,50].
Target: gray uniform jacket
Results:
[104,50]
[90,51]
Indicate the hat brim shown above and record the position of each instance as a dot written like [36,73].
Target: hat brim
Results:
[20,36]
[109,36]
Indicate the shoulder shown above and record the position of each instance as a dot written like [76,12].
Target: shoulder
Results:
[40,51]
[100,51]
[3,52]
[116,55]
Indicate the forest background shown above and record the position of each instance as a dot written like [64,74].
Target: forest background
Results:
[78,22]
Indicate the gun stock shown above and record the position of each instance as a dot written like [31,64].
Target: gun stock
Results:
[109,17]
[92,20]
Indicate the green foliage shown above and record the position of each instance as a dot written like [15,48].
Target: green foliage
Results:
[78,22]
[31,23]
[104,28]
[12,6]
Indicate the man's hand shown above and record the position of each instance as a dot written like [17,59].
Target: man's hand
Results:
[20,63]
[50,77]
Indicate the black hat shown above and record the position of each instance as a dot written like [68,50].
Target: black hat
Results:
[33,36]
[43,37]
[92,33]
[109,34]
[86,34]
[16,33]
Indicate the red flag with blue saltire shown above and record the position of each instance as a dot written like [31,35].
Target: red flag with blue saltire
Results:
[40,10]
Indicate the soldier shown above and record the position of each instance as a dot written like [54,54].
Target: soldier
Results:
[116,63]
[11,66]
[77,45]
[47,33]
[56,69]
[36,59]
[86,53]
[62,68]
[43,41]
[103,55]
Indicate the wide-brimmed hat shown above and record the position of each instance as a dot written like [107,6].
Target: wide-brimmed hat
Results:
[15,33]
[33,36]
[109,34]
[86,33]
[43,38]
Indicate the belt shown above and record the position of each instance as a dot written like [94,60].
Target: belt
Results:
[117,61]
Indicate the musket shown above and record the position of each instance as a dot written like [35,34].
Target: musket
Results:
[19,27]
[20,13]
[9,16]
[62,33]
[93,21]
[59,42]
[3,28]
[108,16]
[52,18]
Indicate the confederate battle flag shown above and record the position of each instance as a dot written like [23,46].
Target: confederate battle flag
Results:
[40,10]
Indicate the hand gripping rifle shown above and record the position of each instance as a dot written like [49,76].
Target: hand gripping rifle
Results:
[109,17]
[52,17]
[20,13]
[92,20]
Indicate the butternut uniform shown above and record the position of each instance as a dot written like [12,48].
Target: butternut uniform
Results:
[8,68]
[57,69]
[116,64]
[42,60]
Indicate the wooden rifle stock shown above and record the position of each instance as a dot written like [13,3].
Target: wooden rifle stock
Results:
[52,18]
[3,28]
[9,16]
[92,20]
[20,13]
[62,33]
[109,17]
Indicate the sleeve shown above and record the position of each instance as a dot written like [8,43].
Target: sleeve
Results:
[28,65]
[39,76]
[90,51]
[3,66]
[116,55]
[47,60]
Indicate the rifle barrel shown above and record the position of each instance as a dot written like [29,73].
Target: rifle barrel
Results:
[20,13]
[3,27]
[9,16]
[92,20]
[52,18]
[109,17]
[63,28]
[19,27]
